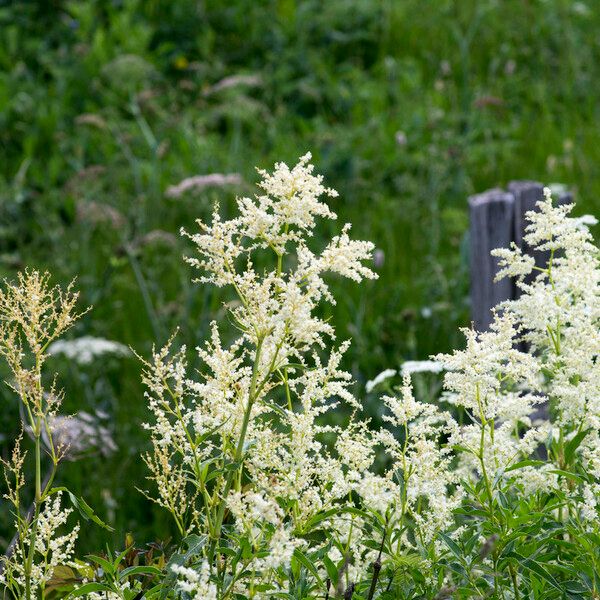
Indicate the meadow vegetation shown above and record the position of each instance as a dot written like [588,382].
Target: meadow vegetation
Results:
[480,494]
[107,109]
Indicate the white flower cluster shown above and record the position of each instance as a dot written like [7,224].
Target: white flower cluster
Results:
[560,314]
[541,350]
[84,350]
[241,452]
[421,463]
[253,417]
[195,582]
[51,549]
[33,314]
[556,319]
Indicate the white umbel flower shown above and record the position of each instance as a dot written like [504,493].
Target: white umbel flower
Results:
[421,366]
[86,349]
[380,378]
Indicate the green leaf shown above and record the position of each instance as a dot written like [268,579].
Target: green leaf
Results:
[568,475]
[318,518]
[454,548]
[535,567]
[194,544]
[295,366]
[87,512]
[459,448]
[231,466]
[412,560]
[119,558]
[456,568]
[307,564]
[141,570]
[524,463]
[105,564]
[245,547]
[574,443]
[332,570]
[84,509]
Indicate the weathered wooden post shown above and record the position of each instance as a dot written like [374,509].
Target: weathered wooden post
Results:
[492,226]
[497,218]
[526,195]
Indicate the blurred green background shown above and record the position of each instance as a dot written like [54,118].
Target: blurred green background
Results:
[408,107]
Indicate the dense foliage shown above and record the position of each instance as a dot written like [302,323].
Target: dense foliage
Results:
[491,490]
[408,106]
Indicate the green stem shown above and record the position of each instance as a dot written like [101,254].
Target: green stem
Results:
[513,576]
[287,389]
[144,291]
[36,427]
[239,449]
[36,514]
[38,469]
[484,473]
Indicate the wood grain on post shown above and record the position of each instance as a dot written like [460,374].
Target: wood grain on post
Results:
[492,216]
[527,194]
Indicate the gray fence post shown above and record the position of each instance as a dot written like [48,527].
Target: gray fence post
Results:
[526,195]
[492,226]
[497,218]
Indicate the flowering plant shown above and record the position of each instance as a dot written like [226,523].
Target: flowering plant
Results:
[489,492]
[32,315]
[240,458]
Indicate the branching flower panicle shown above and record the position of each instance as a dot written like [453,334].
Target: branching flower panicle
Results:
[244,443]
[33,314]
